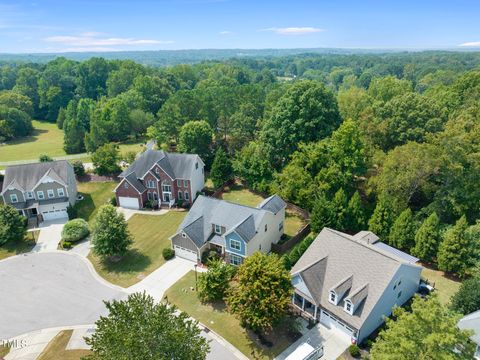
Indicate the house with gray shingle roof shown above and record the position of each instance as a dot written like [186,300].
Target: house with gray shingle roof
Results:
[235,231]
[349,283]
[160,178]
[40,191]
[472,322]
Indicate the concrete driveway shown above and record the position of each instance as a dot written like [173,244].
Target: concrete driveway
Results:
[50,235]
[44,290]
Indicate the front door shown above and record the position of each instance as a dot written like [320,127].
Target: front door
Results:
[166,197]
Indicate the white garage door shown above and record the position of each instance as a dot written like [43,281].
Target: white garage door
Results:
[55,214]
[129,203]
[333,323]
[185,253]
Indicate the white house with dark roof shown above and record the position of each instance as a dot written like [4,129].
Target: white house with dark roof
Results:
[234,231]
[41,191]
[160,178]
[350,283]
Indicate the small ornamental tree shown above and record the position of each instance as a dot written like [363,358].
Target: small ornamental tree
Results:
[213,284]
[402,233]
[429,331]
[141,328]
[467,298]
[105,160]
[75,230]
[110,236]
[262,291]
[222,169]
[13,226]
[455,252]
[428,239]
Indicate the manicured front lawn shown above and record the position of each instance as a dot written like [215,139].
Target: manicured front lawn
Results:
[55,349]
[95,195]
[150,234]
[445,287]
[219,320]
[241,195]
[19,247]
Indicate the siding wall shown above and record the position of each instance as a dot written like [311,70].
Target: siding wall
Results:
[186,243]
[7,194]
[234,235]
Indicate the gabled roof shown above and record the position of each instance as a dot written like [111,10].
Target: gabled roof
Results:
[27,176]
[333,257]
[206,211]
[132,179]
[177,166]
[471,322]
[273,204]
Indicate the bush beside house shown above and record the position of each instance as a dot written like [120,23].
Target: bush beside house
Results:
[75,230]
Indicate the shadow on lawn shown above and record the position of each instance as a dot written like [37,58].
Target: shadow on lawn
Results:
[133,261]
[85,207]
[29,138]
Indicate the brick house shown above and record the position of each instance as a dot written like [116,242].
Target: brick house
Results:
[160,178]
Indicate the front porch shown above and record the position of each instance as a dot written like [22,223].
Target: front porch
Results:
[305,306]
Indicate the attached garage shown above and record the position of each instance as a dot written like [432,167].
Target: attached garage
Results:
[332,322]
[129,202]
[185,253]
[54,214]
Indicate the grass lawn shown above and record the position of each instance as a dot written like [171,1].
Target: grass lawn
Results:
[4,350]
[19,247]
[445,287]
[95,195]
[219,320]
[55,350]
[241,195]
[150,234]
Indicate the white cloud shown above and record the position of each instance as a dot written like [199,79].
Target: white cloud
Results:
[90,40]
[294,30]
[225,32]
[471,44]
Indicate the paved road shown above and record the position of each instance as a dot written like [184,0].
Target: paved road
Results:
[47,290]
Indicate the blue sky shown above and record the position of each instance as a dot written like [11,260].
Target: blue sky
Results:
[107,25]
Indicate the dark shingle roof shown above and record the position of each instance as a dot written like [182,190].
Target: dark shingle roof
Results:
[273,204]
[132,179]
[28,175]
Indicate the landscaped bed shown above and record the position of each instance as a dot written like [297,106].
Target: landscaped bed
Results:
[216,318]
[151,235]
[56,349]
[445,285]
[95,194]
[19,247]
[239,194]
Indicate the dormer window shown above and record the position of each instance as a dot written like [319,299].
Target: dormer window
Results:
[13,198]
[218,229]
[333,298]
[348,307]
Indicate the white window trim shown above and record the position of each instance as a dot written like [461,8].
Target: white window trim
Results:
[12,196]
[50,192]
[29,195]
[40,195]
[345,307]
[335,298]
[280,226]
[179,182]
[219,231]
[60,192]
[151,184]
[237,257]
[233,241]
[185,183]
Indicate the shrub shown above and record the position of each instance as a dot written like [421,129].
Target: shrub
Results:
[78,168]
[354,350]
[66,245]
[208,256]
[75,230]
[168,253]
[113,200]
[45,158]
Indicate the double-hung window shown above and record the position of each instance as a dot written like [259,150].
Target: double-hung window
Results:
[187,195]
[151,184]
[218,229]
[235,259]
[185,183]
[180,195]
[13,198]
[29,195]
[40,195]
[50,193]
[179,182]
[235,244]
[60,192]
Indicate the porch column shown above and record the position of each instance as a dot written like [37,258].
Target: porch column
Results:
[303,303]
[315,312]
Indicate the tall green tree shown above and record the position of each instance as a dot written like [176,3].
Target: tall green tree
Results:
[123,333]
[222,169]
[402,233]
[213,284]
[323,214]
[196,138]
[382,218]
[261,292]
[429,331]
[467,299]
[428,238]
[110,235]
[13,226]
[105,160]
[355,214]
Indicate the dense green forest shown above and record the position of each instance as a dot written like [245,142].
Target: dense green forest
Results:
[388,142]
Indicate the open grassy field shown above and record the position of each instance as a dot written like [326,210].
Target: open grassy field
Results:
[215,317]
[95,195]
[47,139]
[150,234]
[241,195]
[445,287]
[55,350]
[19,247]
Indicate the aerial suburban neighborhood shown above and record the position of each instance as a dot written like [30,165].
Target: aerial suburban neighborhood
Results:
[239,180]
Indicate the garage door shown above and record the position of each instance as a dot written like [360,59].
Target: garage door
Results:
[128,202]
[185,253]
[55,214]
[333,323]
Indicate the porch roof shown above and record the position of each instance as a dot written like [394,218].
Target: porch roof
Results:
[218,240]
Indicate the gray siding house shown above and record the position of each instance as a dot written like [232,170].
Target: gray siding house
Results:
[40,191]
[234,231]
[351,282]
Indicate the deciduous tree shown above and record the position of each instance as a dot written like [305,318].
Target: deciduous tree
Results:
[213,284]
[222,169]
[13,226]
